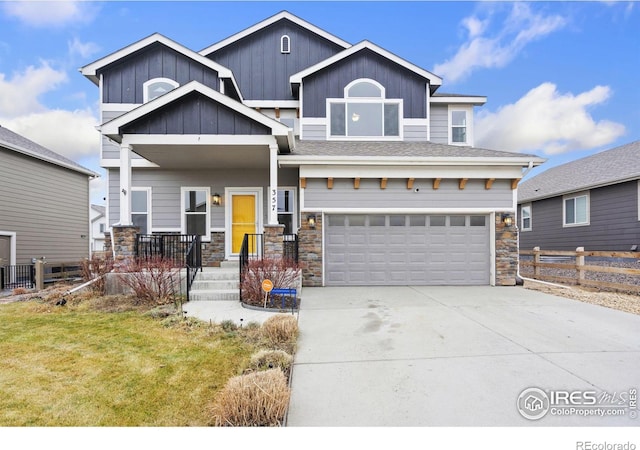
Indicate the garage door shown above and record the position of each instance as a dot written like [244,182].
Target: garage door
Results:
[407,250]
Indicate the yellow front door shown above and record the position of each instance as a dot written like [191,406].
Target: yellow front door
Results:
[243,218]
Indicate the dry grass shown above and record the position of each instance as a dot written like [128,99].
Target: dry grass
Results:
[82,364]
[255,399]
[270,359]
[281,332]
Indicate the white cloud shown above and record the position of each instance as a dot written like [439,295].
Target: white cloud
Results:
[56,13]
[82,49]
[70,133]
[521,27]
[546,120]
[19,95]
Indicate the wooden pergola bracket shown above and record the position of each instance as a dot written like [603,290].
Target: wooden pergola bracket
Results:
[410,183]
[489,183]
[329,183]
[303,183]
[356,183]
[383,183]
[436,183]
[462,183]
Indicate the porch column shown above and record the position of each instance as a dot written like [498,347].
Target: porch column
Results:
[125,185]
[273,184]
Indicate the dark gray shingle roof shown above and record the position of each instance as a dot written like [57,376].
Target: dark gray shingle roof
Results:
[15,142]
[398,149]
[607,167]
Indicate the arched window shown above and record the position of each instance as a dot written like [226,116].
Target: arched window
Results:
[364,112]
[285,44]
[156,87]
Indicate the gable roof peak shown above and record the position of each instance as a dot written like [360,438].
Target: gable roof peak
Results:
[434,80]
[90,70]
[269,21]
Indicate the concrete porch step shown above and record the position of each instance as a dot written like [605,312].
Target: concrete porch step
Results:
[214,294]
[213,274]
[209,285]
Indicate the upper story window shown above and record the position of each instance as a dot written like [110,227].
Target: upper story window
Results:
[576,210]
[156,87]
[364,112]
[285,44]
[525,218]
[460,131]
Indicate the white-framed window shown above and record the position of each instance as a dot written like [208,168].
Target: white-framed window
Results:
[575,210]
[364,112]
[141,208]
[460,130]
[156,87]
[287,209]
[285,44]
[195,207]
[525,218]
[101,226]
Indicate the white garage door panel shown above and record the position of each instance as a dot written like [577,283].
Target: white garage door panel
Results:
[407,249]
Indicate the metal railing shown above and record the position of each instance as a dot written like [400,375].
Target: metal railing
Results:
[290,247]
[184,250]
[17,276]
[193,262]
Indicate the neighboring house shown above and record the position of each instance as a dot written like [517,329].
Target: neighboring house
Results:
[44,199]
[349,146]
[592,202]
[98,227]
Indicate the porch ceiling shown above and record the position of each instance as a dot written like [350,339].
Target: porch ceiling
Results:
[205,156]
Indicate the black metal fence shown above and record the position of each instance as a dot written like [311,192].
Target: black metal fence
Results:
[290,247]
[17,276]
[185,250]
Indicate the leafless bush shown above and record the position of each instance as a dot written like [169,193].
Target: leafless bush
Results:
[282,272]
[257,399]
[281,332]
[152,280]
[97,267]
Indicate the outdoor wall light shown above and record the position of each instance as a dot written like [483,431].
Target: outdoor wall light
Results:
[311,220]
[216,199]
[507,220]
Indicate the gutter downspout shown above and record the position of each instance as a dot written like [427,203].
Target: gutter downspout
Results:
[518,275]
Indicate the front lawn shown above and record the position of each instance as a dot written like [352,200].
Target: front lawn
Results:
[78,365]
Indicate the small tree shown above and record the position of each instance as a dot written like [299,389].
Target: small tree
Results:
[282,272]
[152,280]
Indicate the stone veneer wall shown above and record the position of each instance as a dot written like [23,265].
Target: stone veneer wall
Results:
[213,252]
[124,243]
[273,241]
[506,252]
[310,250]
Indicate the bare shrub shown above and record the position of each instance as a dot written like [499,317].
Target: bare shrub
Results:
[281,332]
[257,399]
[97,267]
[271,359]
[20,291]
[152,280]
[282,272]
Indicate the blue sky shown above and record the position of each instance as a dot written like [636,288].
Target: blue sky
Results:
[560,77]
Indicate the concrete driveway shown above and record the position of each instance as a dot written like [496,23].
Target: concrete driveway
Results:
[449,356]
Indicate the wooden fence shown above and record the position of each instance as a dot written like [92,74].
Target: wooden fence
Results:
[571,267]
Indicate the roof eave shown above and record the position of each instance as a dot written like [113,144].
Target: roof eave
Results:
[580,189]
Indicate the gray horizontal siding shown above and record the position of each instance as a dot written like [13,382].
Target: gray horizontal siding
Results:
[165,190]
[399,83]
[396,194]
[415,133]
[124,79]
[314,132]
[613,224]
[47,206]
[195,114]
[439,123]
[261,71]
